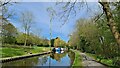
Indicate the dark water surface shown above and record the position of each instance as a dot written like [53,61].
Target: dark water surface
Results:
[54,59]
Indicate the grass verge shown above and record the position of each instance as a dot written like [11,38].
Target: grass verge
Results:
[78,59]
[10,52]
[107,62]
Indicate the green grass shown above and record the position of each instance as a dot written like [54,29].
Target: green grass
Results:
[10,52]
[92,55]
[78,59]
[108,62]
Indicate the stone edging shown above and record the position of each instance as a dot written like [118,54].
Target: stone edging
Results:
[22,57]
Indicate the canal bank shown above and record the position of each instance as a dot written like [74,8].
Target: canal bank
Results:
[78,59]
[83,60]
[64,59]
[19,51]
[88,61]
[22,57]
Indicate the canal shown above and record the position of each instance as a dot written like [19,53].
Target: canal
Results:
[50,60]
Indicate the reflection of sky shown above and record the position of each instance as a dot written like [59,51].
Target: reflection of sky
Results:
[44,60]
[41,19]
[65,61]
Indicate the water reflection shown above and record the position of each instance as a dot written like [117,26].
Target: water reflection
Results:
[53,59]
[58,56]
[42,61]
[72,56]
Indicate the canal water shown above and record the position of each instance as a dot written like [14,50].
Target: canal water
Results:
[64,59]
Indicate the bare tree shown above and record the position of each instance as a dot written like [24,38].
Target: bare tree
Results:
[52,13]
[4,12]
[5,2]
[26,19]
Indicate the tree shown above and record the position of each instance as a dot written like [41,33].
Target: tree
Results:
[9,33]
[20,38]
[69,8]
[111,22]
[73,38]
[45,42]
[95,38]
[106,48]
[51,15]
[5,14]
[116,14]
[52,42]
[63,43]
[57,42]
[85,36]
[26,19]
[3,3]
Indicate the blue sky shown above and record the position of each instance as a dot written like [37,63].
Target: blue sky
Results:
[42,20]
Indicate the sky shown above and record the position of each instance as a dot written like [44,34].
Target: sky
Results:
[41,25]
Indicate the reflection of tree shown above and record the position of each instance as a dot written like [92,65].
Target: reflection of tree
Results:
[43,60]
[72,56]
[33,61]
[57,56]
[23,62]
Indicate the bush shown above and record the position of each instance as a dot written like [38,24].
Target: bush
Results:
[9,39]
[116,61]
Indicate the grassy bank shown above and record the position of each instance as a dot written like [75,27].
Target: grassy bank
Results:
[107,62]
[78,59]
[10,52]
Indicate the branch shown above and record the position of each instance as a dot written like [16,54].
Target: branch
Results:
[98,17]
[67,11]
[5,3]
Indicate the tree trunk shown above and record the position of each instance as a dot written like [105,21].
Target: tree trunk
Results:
[25,38]
[111,22]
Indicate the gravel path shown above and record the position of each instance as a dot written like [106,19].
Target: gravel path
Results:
[89,62]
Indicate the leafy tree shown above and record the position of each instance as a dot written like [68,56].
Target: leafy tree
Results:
[59,43]
[110,21]
[20,38]
[70,8]
[9,33]
[45,42]
[52,42]
[9,29]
